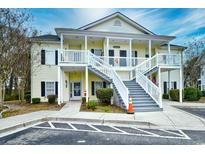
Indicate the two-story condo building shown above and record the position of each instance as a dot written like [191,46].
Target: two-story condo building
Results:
[115,52]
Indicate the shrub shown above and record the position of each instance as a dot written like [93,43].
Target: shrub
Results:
[174,94]
[91,105]
[27,96]
[83,100]
[199,94]
[192,94]
[36,100]
[51,98]
[13,96]
[106,109]
[165,96]
[104,95]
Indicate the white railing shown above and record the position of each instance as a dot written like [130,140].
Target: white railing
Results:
[146,83]
[149,87]
[169,59]
[157,60]
[123,61]
[73,56]
[107,69]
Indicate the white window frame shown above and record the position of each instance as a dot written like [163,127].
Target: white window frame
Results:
[54,88]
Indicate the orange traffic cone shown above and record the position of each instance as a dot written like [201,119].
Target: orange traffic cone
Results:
[130,107]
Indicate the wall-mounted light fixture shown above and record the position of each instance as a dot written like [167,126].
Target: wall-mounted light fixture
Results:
[66,83]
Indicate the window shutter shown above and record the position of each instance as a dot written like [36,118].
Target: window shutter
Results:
[93,88]
[104,84]
[165,87]
[56,57]
[42,88]
[43,57]
[56,88]
[175,85]
[92,51]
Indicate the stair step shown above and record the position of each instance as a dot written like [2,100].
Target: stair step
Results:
[147,109]
[144,105]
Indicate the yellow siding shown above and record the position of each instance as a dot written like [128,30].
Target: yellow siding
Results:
[80,76]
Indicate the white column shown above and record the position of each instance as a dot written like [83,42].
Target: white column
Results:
[181,81]
[169,51]
[160,89]
[130,49]
[107,47]
[169,81]
[61,41]
[59,85]
[86,83]
[180,86]
[150,48]
[86,43]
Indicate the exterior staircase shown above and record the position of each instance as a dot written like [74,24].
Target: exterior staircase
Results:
[142,102]
[99,74]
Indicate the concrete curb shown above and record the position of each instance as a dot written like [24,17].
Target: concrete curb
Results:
[62,119]
[21,125]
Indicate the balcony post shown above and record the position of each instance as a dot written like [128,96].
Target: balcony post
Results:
[150,48]
[86,83]
[130,49]
[159,85]
[86,43]
[86,48]
[61,41]
[180,85]
[181,82]
[168,58]
[59,85]
[150,52]
[107,47]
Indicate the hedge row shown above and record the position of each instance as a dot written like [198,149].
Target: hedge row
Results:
[189,94]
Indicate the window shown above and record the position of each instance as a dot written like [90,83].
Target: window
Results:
[117,23]
[202,73]
[97,52]
[203,87]
[173,85]
[96,85]
[50,57]
[50,88]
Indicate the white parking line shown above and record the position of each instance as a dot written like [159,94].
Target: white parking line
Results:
[50,123]
[170,132]
[182,135]
[72,126]
[119,130]
[150,133]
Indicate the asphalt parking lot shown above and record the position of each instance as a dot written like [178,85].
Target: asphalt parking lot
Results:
[65,133]
[198,111]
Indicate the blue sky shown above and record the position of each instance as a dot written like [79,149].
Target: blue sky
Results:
[182,23]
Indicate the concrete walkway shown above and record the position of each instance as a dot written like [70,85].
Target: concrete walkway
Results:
[169,118]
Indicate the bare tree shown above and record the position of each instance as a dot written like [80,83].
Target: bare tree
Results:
[15,46]
[193,55]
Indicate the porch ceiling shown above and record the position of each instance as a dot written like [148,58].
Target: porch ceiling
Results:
[73,68]
[115,40]
[68,31]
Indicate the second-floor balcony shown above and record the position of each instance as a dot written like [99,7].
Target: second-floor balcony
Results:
[81,57]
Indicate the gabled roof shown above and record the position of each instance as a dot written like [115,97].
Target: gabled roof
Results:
[47,37]
[123,17]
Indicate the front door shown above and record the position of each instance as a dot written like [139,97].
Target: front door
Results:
[123,55]
[75,90]
[111,57]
